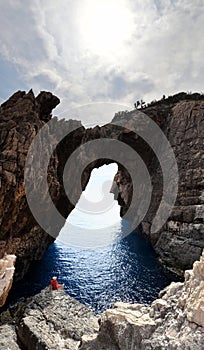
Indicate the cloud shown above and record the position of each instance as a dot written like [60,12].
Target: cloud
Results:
[155,48]
[126,84]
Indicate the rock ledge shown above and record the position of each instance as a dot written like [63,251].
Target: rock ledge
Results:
[54,320]
[175,321]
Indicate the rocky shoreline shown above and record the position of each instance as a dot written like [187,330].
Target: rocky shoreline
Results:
[49,320]
[178,243]
[55,321]
[175,320]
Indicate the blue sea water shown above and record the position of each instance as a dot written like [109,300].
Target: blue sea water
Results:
[127,271]
[114,266]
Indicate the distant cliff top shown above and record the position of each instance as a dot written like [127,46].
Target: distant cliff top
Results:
[181,96]
[166,102]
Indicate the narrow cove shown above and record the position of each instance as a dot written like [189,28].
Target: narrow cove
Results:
[117,267]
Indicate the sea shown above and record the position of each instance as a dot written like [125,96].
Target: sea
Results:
[97,256]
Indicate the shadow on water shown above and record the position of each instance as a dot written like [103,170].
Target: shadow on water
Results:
[126,270]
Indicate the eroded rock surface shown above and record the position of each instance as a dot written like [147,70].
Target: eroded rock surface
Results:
[174,321]
[180,241]
[21,118]
[54,320]
[6,276]
[8,339]
[50,320]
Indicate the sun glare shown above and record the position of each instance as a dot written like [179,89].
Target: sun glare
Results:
[105,24]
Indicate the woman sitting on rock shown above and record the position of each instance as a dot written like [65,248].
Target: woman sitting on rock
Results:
[54,284]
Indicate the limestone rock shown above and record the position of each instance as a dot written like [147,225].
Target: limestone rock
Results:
[47,102]
[50,320]
[21,118]
[179,243]
[8,338]
[175,321]
[6,276]
[193,295]
[54,320]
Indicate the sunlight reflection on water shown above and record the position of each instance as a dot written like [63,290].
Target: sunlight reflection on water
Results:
[106,266]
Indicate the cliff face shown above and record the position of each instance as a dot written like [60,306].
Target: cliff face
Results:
[184,232]
[21,117]
[179,243]
[19,123]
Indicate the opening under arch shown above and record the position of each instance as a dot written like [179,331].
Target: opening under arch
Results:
[96,219]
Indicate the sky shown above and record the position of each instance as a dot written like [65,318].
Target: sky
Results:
[89,52]
[95,221]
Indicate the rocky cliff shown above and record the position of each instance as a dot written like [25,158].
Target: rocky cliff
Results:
[21,118]
[50,320]
[180,241]
[174,321]
[53,320]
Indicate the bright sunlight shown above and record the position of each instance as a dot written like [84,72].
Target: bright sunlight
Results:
[105,24]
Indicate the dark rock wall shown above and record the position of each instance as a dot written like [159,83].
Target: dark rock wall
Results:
[178,243]
[21,117]
[181,240]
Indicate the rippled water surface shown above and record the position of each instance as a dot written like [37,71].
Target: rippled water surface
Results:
[124,271]
[117,266]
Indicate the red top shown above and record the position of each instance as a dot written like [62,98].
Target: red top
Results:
[55,285]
